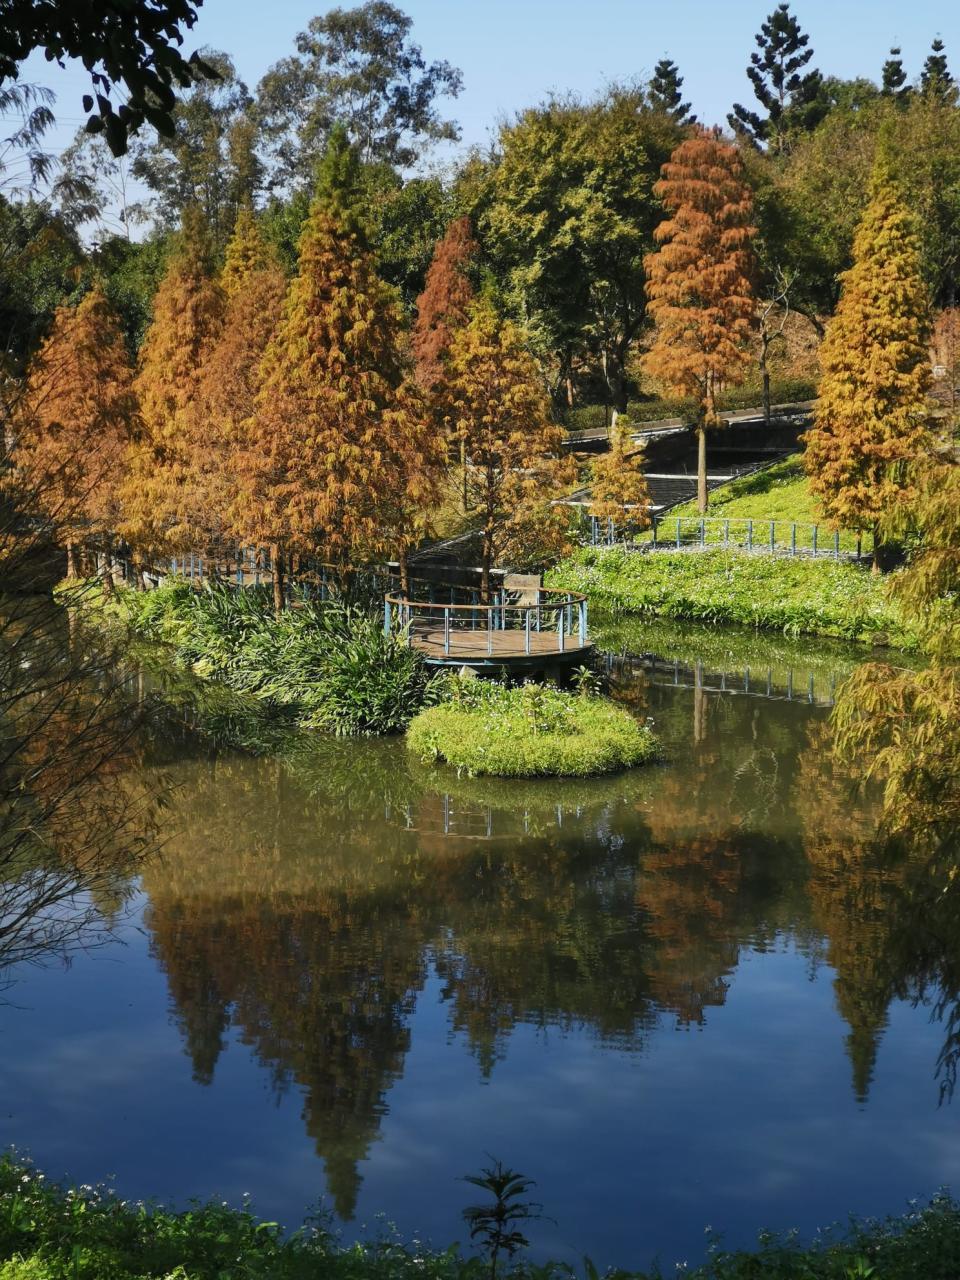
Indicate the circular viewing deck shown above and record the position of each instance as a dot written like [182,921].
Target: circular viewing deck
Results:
[520,631]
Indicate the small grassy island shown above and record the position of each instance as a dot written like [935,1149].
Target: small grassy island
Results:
[529,731]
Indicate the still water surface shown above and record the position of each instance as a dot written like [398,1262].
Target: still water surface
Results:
[681,998]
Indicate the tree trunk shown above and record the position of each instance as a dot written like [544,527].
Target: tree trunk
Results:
[765,375]
[276,557]
[486,560]
[877,564]
[702,469]
[404,571]
[106,575]
[463,474]
[71,560]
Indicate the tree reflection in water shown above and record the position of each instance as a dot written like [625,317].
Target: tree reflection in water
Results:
[307,903]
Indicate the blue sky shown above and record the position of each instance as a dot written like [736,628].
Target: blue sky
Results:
[513,52]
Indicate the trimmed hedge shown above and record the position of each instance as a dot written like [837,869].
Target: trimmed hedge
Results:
[529,731]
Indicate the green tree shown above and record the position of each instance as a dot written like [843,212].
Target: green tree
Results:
[894,78]
[935,78]
[359,67]
[134,45]
[204,162]
[789,95]
[872,416]
[570,215]
[664,92]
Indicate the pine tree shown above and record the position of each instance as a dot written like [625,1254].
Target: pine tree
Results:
[493,401]
[894,79]
[444,305]
[187,320]
[791,97]
[618,486]
[664,93]
[75,421]
[319,456]
[936,82]
[698,281]
[872,415]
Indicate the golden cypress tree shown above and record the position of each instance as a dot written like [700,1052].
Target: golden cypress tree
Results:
[324,441]
[698,281]
[493,400]
[217,424]
[246,252]
[872,415]
[618,486]
[187,319]
[75,421]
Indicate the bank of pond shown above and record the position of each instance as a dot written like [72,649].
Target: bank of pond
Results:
[50,1231]
[330,665]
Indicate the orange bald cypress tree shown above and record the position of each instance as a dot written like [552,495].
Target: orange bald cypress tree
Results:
[187,320]
[493,400]
[872,414]
[327,442]
[698,281]
[75,421]
[444,305]
[219,424]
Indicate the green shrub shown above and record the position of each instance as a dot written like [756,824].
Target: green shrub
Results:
[328,663]
[795,596]
[528,731]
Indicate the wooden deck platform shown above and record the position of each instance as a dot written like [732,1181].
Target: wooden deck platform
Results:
[496,648]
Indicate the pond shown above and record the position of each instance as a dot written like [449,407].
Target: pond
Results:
[680,999]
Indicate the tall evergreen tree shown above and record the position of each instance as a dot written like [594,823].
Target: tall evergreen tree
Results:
[790,96]
[325,441]
[493,400]
[872,416]
[935,78]
[75,422]
[699,280]
[664,92]
[894,78]
[218,422]
[444,305]
[187,319]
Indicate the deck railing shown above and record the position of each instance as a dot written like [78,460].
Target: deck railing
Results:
[775,537]
[530,620]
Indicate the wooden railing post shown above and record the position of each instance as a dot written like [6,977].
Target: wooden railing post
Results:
[526,630]
[583,623]
[446,629]
[386,616]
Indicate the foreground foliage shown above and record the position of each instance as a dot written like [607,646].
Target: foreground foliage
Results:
[48,1231]
[795,596]
[529,731]
[328,663]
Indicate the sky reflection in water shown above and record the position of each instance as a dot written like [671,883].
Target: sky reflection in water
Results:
[673,998]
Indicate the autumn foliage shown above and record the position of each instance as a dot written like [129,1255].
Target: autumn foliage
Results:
[160,511]
[698,280]
[872,414]
[75,421]
[444,305]
[494,403]
[618,486]
[332,436]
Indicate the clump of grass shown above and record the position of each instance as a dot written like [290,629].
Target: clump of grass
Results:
[328,664]
[529,731]
[793,596]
